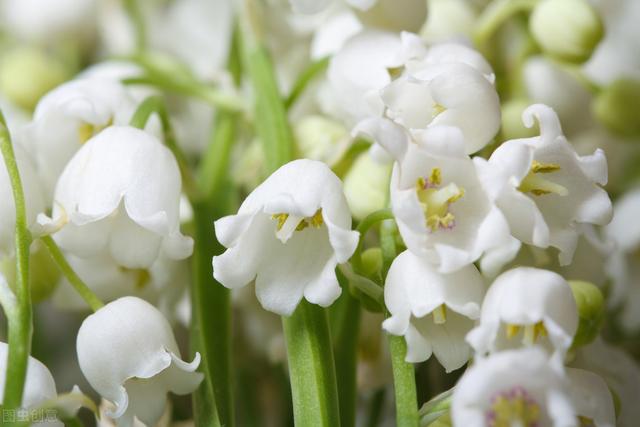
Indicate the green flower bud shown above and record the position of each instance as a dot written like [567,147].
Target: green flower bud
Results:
[371,262]
[43,272]
[320,138]
[591,311]
[27,73]
[618,107]
[512,126]
[566,29]
[366,185]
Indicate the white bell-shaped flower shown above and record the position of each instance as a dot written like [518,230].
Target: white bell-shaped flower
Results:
[433,311]
[545,189]
[514,388]
[442,209]
[121,193]
[39,387]
[452,85]
[526,306]
[289,234]
[127,352]
[33,195]
[358,72]
[68,116]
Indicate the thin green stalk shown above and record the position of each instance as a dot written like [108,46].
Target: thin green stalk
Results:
[72,277]
[155,104]
[345,346]
[495,15]
[272,125]
[211,326]
[404,384]
[308,74]
[20,317]
[364,226]
[137,19]
[404,381]
[311,367]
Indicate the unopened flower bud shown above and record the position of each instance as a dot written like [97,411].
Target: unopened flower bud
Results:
[618,107]
[591,311]
[320,138]
[566,29]
[366,185]
[26,74]
[512,127]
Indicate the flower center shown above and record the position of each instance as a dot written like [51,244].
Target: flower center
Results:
[287,224]
[142,275]
[437,109]
[535,184]
[531,333]
[88,130]
[440,315]
[586,422]
[513,407]
[435,200]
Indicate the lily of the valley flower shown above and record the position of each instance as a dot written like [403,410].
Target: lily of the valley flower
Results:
[129,355]
[289,234]
[33,194]
[514,388]
[39,386]
[450,85]
[443,211]
[433,311]
[68,117]
[526,306]
[121,193]
[545,189]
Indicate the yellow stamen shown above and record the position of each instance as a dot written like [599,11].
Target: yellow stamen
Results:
[435,201]
[437,109]
[287,224]
[439,314]
[533,183]
[87,130]
[533,332]
[142,275]
[513,330]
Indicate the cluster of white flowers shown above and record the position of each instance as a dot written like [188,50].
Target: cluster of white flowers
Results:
[439,181]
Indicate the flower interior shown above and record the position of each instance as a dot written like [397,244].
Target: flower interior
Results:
[435,200]
[287,224]
[531,333]
[514,407]
[535,184]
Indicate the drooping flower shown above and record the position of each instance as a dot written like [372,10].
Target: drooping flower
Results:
[289,234]
[443,210]
[514,388]
[545,189]
[120,193]
[526,306]
[68,116]
[127,352]
[33,194]
[433,311]
[39,386]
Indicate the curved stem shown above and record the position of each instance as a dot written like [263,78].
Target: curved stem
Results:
[307,75]
[155,104]
[364,226]
[311,367]
[72,277]
[20,317]
[137,19]
[495,15]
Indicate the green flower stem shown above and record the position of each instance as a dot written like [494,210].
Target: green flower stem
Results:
[495,15]
[272,124]
[311,367]
[364,226]
[345,345]
[155,104]
[137,19]
[210,325]
[75,280]
[311,72]
[404,381]
[20,316]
